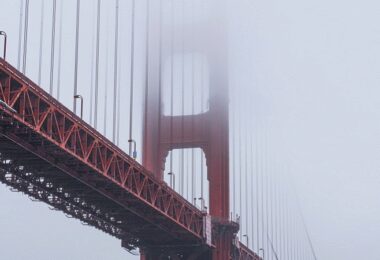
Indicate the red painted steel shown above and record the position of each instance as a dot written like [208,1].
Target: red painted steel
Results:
[52,155]
[208,131]
[42,126]
[246,254]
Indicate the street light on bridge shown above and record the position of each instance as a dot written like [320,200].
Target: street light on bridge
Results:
[81,105]
[5,44]
[172,180]
[262,249]
[247,237]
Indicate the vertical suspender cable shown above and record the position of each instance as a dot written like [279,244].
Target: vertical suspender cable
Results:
[187,175]
[288,237]
[146,68]
[291,233]
[285,227]
[41,41]
[202,96]
[262,194]
[246,184]
[115,71]
[202,105]
[193,174]
[160,66]
[271,208]
[132,73]
[240,174]
[92,75]
[105,119]
[183,100]
[20,34]
[277,229]
[257,170]
[234,154]
[171,84]
[52,49]
[294,236]
[266,191]
[297,251]
[252,196]
[314,255]
[279,218]
[59,51]
[118,105]
[97,65]
[26,22]
[77,22]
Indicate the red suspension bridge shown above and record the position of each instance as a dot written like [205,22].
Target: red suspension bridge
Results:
[52,154]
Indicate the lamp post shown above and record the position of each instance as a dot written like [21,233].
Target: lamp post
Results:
[172,179]
[247,237]
[81,105]
[5,43]
[202,203]
[134,153]
[262,249]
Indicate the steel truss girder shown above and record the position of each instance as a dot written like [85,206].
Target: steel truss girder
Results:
[50,130]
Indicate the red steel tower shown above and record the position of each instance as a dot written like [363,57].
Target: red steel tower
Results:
[207,130]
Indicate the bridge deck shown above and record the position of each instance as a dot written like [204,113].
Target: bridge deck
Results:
[52,155]
[45,148]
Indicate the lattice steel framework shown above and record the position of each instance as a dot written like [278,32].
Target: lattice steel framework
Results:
[60,148]
[53,156]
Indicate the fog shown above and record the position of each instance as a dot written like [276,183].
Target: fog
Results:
[304,83]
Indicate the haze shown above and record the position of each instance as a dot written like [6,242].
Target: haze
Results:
[306,74]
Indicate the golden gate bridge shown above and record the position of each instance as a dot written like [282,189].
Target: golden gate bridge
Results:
[70,101]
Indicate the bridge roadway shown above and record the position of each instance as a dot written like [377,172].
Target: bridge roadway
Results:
[50,154]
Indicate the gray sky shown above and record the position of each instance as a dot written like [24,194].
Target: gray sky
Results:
[307,74]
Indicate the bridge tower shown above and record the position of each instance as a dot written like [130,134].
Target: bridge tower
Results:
[208,130]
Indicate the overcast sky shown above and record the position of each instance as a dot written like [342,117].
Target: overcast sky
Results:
[308,74]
